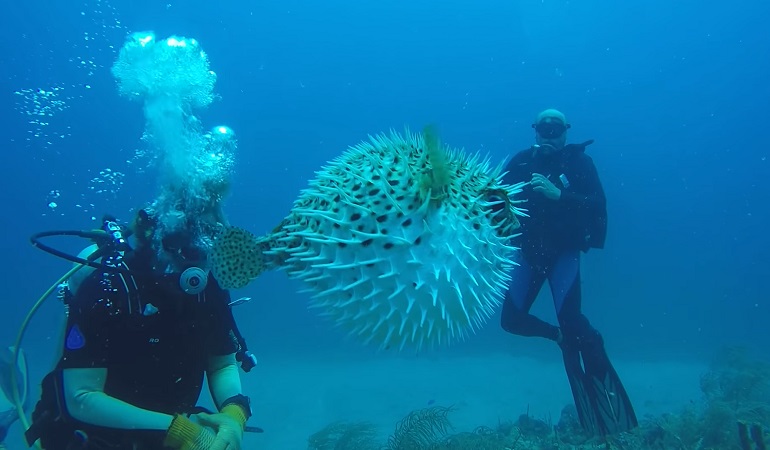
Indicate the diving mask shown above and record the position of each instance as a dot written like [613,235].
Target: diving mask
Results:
[550,130]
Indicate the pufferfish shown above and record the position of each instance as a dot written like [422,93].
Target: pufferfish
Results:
[401,241]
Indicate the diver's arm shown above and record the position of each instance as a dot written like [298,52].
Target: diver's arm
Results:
[234,409]
[592,198]
[223,345]
[223,377]
[86,401]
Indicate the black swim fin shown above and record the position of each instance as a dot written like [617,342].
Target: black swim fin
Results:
[601,400]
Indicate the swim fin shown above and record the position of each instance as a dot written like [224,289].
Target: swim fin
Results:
[9,414]
[601,400]
[22,379]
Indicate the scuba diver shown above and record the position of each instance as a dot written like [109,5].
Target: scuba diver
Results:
[567,214]
[145,321]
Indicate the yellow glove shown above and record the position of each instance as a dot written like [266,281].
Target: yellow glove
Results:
[237,413]
[183,434]
[229,424]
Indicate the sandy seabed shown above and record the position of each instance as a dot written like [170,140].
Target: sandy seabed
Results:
[292,399]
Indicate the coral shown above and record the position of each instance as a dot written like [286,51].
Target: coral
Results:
[345,436]
[736,391]
[735,376]
[481,439]
[734,415]
[671,431]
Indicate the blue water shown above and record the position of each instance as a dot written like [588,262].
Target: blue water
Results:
[675,95]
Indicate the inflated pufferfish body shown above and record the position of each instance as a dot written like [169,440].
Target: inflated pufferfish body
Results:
[400,241]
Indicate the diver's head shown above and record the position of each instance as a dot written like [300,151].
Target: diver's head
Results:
[176,245]
[176,239]
[551,130]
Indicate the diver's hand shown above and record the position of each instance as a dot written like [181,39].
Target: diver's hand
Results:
[229,430]
[544,186]
[184,434]
[544,149]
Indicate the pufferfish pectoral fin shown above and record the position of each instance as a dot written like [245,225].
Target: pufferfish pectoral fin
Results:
[237,257]
[503,211]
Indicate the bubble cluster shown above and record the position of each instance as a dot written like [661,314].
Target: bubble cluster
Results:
[102,190]
[51,198]
[143,157]
[103,26]
[94,31]
[215,162]
[171,77]
[40,106]
[108,182]
[175,67]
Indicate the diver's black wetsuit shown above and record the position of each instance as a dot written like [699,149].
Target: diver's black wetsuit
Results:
[153,339]
[552,238]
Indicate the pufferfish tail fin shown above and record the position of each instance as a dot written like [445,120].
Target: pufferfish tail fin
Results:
[238,257]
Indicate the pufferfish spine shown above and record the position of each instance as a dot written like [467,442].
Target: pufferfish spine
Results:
[395,263]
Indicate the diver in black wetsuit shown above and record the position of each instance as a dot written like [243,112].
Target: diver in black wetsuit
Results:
[567,214]
[137,344]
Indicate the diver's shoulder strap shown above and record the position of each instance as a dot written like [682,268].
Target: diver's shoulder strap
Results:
[131,287]
[242,355]
[247,359]
[124,281]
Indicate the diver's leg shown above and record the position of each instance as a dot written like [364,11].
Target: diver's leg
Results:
[564,279]
[601,400]
[515,318]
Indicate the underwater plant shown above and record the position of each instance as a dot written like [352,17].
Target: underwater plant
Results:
[420,429]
